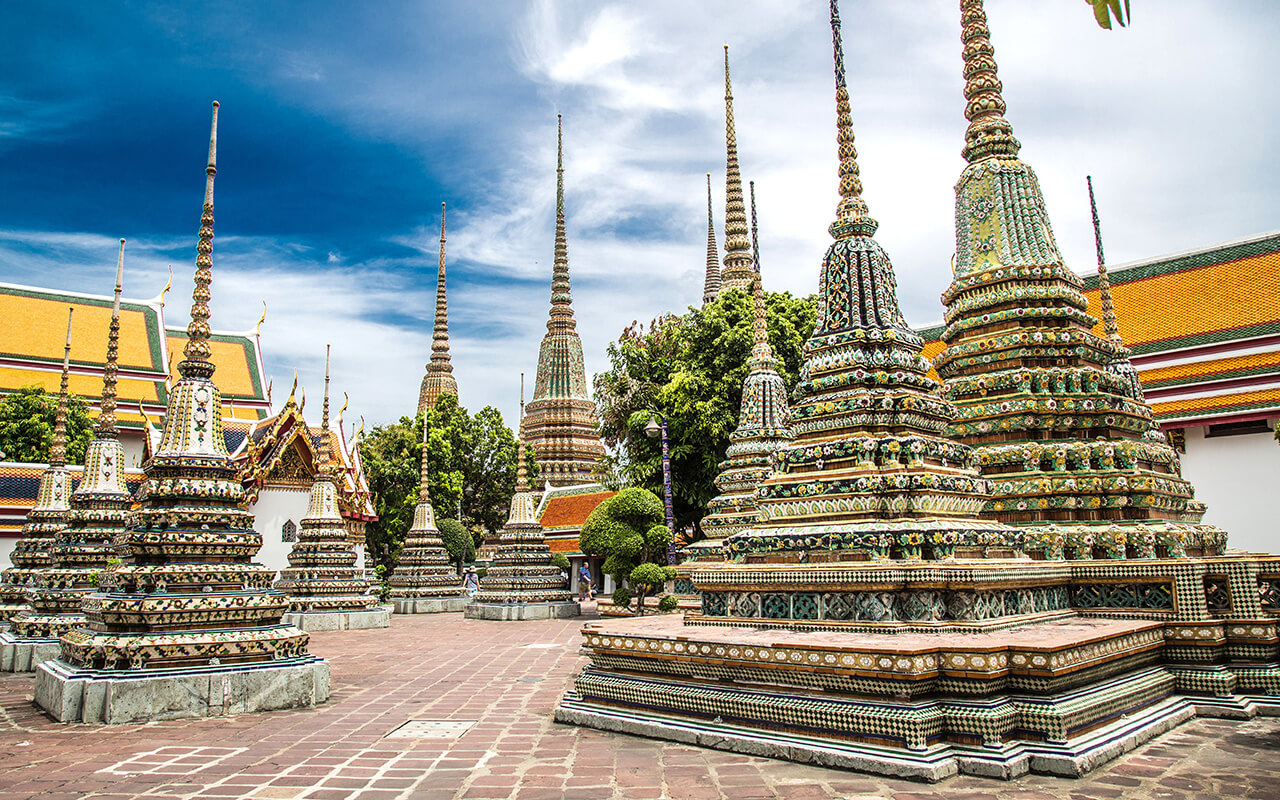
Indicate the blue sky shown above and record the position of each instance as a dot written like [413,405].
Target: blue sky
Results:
[344,125]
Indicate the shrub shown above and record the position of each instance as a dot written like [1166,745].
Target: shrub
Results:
[622,597]
[668,604]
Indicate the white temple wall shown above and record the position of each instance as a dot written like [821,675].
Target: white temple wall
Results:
[1237,477]
[274,508]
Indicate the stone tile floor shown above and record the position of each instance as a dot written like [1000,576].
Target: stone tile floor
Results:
[507,677]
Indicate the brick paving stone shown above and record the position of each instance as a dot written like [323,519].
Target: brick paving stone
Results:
[444,667]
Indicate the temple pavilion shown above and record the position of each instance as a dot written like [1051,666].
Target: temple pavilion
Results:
[913,599]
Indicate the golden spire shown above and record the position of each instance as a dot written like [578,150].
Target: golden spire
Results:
[1109,322]
[759,324]
[424,493]
[852,215]
[711,284]
[325,472]
[737,248]
[106,428]
[440,336]
[58,452]
[561,300]
[197,352]
[989,133]
[755,242]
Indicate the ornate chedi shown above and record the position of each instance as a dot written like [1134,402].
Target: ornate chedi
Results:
[739,266]
[99,508]
[326,590]
[439,378]
[522,582]
[763,427]
[33,552]
[998,663]
[711,281]
[561,420]
[186,625]
[424,580]
[1057,418]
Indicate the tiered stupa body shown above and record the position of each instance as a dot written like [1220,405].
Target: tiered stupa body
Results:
[33,552]
[99,510]
[999,663]
[187,624]
[424,580]
[439,378]
[711,280]
[326,590]
[1058,422]
[763,427]
[739,267]
[561,423]
[522,582]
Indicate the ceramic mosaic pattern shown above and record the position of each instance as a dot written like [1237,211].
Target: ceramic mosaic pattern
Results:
[522,571]
[560,422]
[187,591]
[424,569]
[1059,424]
[439,378]
[322,574]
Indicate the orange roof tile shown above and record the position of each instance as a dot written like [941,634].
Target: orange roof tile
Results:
[571,510]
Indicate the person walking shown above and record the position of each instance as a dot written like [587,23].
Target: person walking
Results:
[585,589]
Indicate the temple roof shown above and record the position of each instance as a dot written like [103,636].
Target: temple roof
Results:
[32,352]
[563,510]
[1204,328]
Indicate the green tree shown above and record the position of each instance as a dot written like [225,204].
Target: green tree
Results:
[471,469]
[458,541]
[26,426]
[628,530]
[690,369]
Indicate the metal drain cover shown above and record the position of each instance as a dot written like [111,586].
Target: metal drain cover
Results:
[432,729]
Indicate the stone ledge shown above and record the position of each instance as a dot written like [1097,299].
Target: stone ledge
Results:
[429,605]
[934,764]
[519,611]
[379,617]
[24,655]
[69,694]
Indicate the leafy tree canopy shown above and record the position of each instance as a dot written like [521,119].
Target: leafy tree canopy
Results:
[458,541]
[26,426]
[471,470]
[629,530]
[690,368]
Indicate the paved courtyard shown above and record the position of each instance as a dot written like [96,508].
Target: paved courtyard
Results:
[507,677]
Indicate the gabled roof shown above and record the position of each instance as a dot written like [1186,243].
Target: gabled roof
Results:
[31,353]
[565,509]
[1204,328]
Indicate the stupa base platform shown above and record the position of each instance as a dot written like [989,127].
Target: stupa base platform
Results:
[522,611]
[1057,694]
[379,617]
[934,763]
[116,697]
[24,655]
[429,605]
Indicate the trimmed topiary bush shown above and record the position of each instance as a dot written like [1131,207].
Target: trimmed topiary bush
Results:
[622,597]
[668,604]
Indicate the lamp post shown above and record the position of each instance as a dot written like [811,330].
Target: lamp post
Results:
[652,430]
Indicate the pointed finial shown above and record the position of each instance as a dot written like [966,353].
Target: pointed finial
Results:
[989,133]
[324,419]
[106,428]
[737,248]
[197,351]
[760,329]
[561,301]
[1110,325]
[440,334]
[522,477]
[755,242]
[853,218]
[58,453]
[257,328]
[711,283]
[167,287]
[424,476]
